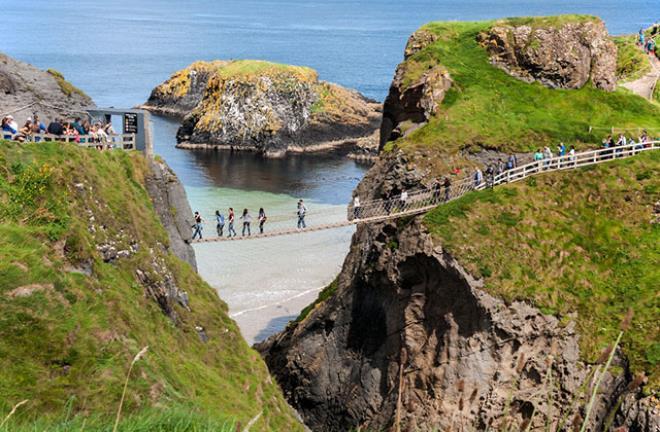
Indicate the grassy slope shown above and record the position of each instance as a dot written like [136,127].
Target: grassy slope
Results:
[631,62]
[68,345]
[66,87]
[578,241]
[488,108]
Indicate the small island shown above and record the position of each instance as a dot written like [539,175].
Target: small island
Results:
[265,107]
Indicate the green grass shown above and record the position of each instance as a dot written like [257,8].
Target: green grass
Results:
[487,108]
[66,87]
[67,346]
[578,241]
[251,68]
[172,419]
[631,62]
[548,21]
[325,294]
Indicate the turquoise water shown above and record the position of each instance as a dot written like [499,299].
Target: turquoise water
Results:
[118,51]
[265,282]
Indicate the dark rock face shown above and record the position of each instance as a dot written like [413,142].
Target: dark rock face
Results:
[410,338]
[566,56]
[171,205]
[410,105]
[24,89]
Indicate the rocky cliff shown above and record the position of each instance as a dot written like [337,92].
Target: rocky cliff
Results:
[25,89]
[500,310]
[416,336]
[171,205]
[470,87]
[555,52]
[261,106]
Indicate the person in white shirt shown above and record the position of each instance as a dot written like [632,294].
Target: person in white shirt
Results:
[403,199]
[356,207]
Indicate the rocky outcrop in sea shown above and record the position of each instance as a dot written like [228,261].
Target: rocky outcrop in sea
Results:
[265,107]
[410,340]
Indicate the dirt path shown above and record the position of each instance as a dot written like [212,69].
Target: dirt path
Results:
[644,86]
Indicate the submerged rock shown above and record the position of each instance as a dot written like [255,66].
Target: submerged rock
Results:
[563,54]
[267,107]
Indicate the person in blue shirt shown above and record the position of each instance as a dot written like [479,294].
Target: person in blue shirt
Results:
[561,149]
[220,222]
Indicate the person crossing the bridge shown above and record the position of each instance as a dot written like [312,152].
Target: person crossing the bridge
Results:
[262,220]
[302,210]
[478,177]
[403,199]
[436,188]
[230,219]
[220,222]
[447,185]
[356,207]
[197,227]
[247,219]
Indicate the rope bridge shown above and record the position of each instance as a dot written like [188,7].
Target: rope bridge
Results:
[422,200]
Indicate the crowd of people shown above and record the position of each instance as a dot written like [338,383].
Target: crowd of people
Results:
[245,219]
[77,130]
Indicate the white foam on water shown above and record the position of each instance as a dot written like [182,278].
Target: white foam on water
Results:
[264,281]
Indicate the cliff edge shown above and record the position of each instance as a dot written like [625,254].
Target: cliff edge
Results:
[25,89]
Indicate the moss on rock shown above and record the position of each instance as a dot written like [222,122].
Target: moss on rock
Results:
[66,87]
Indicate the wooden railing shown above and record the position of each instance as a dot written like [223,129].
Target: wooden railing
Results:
[566,162]
[115,141]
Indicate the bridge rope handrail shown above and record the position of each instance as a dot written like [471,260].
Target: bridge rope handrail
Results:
[423,200]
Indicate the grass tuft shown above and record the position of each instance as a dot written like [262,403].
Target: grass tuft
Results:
[66,87]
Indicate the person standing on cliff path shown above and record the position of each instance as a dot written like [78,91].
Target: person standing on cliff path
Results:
[198,226]
[230,218]
[302,210]
[478,177]
[262,220]
[220,222]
